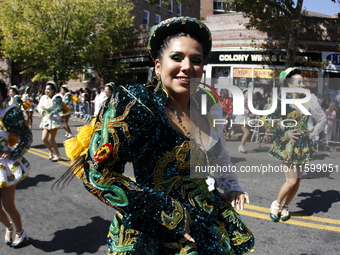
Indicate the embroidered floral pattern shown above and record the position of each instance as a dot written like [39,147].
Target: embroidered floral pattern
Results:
[103,152]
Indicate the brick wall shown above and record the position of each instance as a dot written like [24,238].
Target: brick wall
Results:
[228,31]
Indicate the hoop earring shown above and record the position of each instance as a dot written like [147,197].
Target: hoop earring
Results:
[159,80]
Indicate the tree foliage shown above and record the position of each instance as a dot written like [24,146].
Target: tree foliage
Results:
[282,20]
[57,38]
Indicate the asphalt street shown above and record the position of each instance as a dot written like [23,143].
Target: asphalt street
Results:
[75,222]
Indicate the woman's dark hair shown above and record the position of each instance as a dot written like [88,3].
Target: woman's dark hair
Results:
[167,40]
[259,96]
[64,88]
[53,86]
[15,90]
[3,88]
[289,76]
[111,86]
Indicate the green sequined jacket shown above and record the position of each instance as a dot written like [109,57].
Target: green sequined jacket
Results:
[13,121]
[151,209]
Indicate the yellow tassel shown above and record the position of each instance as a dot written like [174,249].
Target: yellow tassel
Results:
[78,146]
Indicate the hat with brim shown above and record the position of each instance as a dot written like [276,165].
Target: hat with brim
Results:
[111,84]
[15,87]
[175,25]
[288,73]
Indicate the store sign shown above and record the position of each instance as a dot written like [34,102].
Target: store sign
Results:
[248,57]
[243,72]
[256,57]
[263,73]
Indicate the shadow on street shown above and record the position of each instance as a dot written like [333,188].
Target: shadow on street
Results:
[82,239]
[33,181]
[317,201]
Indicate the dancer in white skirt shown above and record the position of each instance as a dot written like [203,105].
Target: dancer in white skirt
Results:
[15,140]
[50,107]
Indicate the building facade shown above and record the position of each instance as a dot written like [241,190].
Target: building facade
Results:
[136,57]
[235,54]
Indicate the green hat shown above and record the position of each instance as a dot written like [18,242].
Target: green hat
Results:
[176,25]
[111,84]
[289,72]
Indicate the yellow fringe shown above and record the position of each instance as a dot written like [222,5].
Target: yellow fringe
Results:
[26,105]
[77,146]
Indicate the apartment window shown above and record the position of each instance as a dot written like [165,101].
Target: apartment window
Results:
[159,3]
[171,6]
[146,16]
[179,9]
[219,5]
[157,19]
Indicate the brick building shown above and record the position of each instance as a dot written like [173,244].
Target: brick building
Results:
[237,53]
[136,56]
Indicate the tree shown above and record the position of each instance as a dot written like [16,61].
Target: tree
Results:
[58,38]
[282,20]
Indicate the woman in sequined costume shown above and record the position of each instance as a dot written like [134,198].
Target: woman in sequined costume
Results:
[50,107]
[165,210]
[15,140]
[292,145]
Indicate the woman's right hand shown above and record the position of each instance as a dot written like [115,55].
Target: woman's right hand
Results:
[187,227]
[293,135]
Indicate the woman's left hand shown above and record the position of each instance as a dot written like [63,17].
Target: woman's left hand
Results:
[5,154]
[236,199]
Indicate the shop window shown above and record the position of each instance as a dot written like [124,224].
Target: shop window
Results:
[333,81]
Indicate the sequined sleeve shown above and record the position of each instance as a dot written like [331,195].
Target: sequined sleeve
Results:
[68,98]
[122,130]
[17,100]
[57,103]
[14,122]
[40,106]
